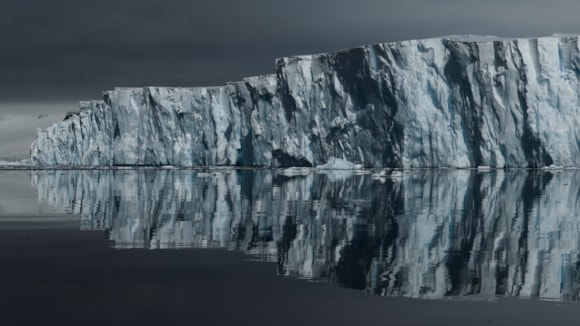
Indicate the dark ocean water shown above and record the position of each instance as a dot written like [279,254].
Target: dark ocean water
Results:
[243,246]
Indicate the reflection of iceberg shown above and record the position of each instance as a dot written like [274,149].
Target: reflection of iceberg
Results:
[425,234]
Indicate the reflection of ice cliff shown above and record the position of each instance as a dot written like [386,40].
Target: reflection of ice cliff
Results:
[425,234]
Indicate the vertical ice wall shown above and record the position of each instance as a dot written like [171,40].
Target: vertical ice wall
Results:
[452,102]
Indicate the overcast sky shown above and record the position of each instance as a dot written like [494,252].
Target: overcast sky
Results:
[73,50]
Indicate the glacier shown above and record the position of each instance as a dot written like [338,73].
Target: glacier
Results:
[423,234]
[455,101]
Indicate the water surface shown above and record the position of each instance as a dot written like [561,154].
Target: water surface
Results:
[431,234]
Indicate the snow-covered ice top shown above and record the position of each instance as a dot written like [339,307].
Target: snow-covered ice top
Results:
[454,101]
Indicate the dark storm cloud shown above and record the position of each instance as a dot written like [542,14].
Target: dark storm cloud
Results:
[72,48]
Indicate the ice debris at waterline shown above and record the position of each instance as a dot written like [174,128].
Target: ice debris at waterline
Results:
[441,102]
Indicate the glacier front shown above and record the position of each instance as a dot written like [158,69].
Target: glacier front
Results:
[456,101]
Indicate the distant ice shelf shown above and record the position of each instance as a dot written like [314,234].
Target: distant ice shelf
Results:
[14,163]
[454,101]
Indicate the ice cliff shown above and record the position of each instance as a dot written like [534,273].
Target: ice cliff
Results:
[441,102]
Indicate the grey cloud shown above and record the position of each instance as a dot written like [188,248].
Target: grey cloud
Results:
[76,49]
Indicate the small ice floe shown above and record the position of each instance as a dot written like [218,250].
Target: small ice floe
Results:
[295,171]
[340,169]
[553,167]
[339,164]
[483,168]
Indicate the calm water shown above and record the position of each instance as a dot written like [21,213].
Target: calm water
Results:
[419,234]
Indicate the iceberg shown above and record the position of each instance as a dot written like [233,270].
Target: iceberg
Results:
[455,101]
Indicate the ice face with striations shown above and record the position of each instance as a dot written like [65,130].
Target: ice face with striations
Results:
[442,102]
